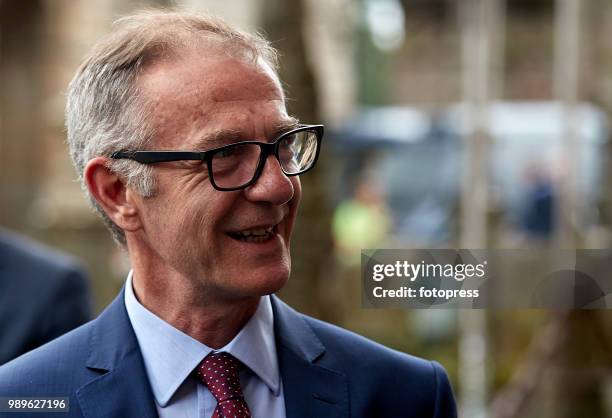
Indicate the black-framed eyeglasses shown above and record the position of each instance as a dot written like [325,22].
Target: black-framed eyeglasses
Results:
[238,165]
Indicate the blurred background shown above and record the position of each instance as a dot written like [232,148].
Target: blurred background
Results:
[449,124]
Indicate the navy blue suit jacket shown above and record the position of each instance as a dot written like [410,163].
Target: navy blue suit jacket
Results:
[43,294]
[326,372]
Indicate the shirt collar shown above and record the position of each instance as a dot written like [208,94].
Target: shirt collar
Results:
[170,355]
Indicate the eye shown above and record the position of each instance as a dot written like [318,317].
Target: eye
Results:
[288,147]
[226,153]
[289,140]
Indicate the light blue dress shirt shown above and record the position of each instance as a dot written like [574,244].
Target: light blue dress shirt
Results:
[170,356]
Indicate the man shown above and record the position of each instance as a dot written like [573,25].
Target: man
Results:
[178,128]
[43,294]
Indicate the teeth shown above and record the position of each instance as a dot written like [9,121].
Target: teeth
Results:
[255,235]
[256,232]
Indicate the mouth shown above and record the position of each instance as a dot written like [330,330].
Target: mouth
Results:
[255,235]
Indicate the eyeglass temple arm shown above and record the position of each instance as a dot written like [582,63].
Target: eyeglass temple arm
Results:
[149,157]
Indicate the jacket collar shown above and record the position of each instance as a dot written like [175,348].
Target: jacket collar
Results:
[314,384]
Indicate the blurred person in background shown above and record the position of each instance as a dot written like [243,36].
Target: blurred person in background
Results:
[361,222]
[540,201]
[43,294]
[178,129]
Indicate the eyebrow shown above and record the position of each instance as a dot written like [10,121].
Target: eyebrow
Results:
[219,138]
[222,137]
[287,124]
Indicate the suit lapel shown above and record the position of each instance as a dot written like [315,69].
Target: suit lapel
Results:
[313,384]
[122,389]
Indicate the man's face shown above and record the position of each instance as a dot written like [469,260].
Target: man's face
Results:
[192,229]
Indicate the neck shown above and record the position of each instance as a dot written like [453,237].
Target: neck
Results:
[190,306]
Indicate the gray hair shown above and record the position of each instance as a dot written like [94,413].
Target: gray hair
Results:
[106,112]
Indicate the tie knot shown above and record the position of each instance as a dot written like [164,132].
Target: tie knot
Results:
[219,372]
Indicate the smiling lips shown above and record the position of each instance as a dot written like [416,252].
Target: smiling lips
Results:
[255,234]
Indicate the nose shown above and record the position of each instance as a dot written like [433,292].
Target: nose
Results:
[272,186]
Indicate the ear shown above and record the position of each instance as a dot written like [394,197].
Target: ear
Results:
[111,194]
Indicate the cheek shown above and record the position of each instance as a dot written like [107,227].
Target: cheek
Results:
[202,219]
[192,224]
[197,220]
[192,244]
[156,217]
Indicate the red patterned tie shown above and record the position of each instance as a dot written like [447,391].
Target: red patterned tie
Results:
[219,372]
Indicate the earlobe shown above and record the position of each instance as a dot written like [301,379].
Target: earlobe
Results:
[108,189]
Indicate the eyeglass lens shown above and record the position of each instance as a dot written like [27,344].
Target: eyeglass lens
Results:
[237,165]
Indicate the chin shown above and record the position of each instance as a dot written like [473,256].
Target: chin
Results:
[266,281]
